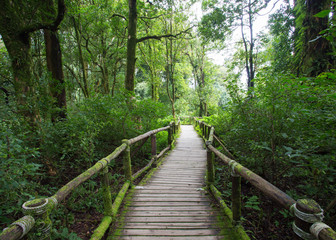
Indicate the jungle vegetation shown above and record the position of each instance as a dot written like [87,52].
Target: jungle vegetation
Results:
[77,77]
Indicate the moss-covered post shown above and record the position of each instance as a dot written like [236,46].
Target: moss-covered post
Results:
[307,212]
[40,210]
[210,167]
[174,128]
[170,137]
[107,197]
[154,148]
[127,161]
[236,197]
[207,132]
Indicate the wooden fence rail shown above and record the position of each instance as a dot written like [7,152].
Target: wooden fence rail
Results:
[36,220]
[307,213]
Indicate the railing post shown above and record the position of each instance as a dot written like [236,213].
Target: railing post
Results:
[210,166]
[107,197]
[127,161]
[170,137]
[306,212]
[40,209]
[154,148]
[208,132]
[236,197]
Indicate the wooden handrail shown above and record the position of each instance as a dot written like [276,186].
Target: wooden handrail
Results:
[62,193]
[41,208]
[264,186]
[309,207]
[147,134]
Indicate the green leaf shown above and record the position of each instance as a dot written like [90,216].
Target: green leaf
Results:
[322,14]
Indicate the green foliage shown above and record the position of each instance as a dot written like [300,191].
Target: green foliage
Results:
[252,203]
[94,128]
[19,168]
[281,25]
[286,133]
[64,234]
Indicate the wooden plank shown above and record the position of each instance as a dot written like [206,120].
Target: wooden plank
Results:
[170,238]
[161,187]
[162,219]
[173,225]
[170,195]
[170,199]
[170,213]
[169,191]
[171,208]
[165,203]
[181,185]
[172,204]
[170,232]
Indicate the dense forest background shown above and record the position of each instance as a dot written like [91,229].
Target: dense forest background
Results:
[77,77]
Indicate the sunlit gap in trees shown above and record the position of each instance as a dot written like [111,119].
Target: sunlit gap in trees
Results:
[225,52]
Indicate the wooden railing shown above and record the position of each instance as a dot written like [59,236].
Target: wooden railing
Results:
[37,211]
[186,120]
[307,213]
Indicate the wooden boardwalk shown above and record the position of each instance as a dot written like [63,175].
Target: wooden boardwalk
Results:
[172,204]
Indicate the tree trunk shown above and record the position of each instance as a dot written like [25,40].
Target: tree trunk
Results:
[317,51]
[131,45]
[54,64]
[81,59]
[106,85]
[18,47]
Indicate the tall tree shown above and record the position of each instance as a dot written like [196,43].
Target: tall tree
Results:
[228,15]
[131,45]
[196,55]
[23,18]
[54,64]
[132,42]
[313,52]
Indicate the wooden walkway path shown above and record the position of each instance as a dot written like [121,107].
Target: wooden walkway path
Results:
[172,204]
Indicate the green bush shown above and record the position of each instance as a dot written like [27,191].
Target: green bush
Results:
[19,168]
[286,133]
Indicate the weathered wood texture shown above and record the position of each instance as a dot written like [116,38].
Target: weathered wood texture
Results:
[172,204]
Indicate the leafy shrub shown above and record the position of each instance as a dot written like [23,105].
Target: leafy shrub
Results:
[19,168]
[94,128]
[286,132]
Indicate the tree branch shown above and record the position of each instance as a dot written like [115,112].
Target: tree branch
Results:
[153,17]
[163,36]
[50,26]
[118,15]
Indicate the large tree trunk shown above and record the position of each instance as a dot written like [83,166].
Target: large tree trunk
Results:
[17,25]
[81,59]
[131,45]
[317,51]
[54,64]
[18,47]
